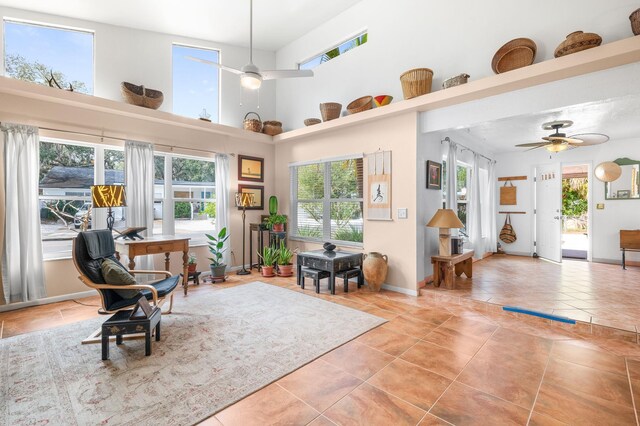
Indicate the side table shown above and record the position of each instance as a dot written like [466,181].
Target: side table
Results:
[120,324]
[445,266]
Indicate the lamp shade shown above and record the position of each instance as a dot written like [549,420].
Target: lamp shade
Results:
[445,218]
[608,171]
[245,199]
[108,196]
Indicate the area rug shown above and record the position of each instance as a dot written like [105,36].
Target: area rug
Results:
[216,348]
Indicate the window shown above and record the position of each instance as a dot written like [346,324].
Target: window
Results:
[327,200]
[341,49]
[195,85]
[34,52]
[184,196]
[463,181]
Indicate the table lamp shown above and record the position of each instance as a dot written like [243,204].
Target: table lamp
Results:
[244,200]
[445,219]
[108,196]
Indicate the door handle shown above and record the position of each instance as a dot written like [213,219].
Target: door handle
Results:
[556,217]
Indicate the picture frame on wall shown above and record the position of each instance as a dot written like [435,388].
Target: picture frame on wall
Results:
[258,195]
[250,168]
[434,175]
[623,193]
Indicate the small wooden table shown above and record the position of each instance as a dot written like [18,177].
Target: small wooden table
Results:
[154,245]
[629,241]
[445,266]
[331,262]
[120,324]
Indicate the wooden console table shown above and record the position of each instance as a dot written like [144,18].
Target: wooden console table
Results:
[154,245]
[445,266]
[629,241]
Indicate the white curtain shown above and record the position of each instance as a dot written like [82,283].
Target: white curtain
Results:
[492,232]
[222,199]
[452,165]
[474,211]
[22,263]
[139,180]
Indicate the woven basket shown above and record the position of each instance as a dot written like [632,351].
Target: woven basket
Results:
[141,96]
[416,82]
[361,104]
[577,41]
[252,124]
[517,53]
[312,121]
[455,81]
[330,110]
[635,22]
[272,128]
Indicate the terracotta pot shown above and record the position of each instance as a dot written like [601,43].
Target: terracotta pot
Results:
[374,267]
[577,41]
[278,227]
[267,271]
[192,267]
[285,270]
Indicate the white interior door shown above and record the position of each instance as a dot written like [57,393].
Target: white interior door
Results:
[549,212]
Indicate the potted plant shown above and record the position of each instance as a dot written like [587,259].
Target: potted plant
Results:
[193,263]
[285,267]
[276,222]
[269,258]
[216,247]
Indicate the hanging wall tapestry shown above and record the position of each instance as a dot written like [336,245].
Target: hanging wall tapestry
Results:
[379,180]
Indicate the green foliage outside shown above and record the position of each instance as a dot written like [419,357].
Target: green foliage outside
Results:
[182,210]
[335,52]
[18,67]
[210,210]
[351,234]
[574,203]
[310,231]
[186,169]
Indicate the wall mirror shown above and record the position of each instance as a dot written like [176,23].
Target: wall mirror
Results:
[627,186]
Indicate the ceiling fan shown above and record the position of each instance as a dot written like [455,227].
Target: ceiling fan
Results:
[557,141]
[250,75]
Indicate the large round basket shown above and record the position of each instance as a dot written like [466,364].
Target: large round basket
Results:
[141,96]
[252,124]
[330,110]
[517,53]
[272,128]
[577,41]
[416,82]
[635,22]
[361,104]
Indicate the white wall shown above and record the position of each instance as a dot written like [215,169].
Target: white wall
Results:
[450,39]
[144,57]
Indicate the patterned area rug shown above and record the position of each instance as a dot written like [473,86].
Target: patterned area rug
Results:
[215,349]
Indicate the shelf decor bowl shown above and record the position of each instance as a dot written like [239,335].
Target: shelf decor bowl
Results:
[455,81]
[517,53]
[416,82]
[361,104]
[312,121]
[330,110]
[141,96]
[382,100]
[577,41]
[635,22]
[272,127]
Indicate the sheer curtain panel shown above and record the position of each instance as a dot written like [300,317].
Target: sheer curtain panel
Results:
[474,211]
[452,174]
[22,263]
[222,199]
[492,232]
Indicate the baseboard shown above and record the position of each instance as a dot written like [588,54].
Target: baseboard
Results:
[616,261]
[518,253]
[402,290]
[47,300]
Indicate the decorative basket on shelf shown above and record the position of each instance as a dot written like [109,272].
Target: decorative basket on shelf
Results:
[272,128]
[577,41]
[416,82]
[361,104]
[330,110]
[455,81]
[312,121]
[141,96]
[252,124]
[635,22]
[517,53]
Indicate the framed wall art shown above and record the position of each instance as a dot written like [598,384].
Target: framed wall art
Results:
[379,186]
[258,195]
[434,175]
[250,168]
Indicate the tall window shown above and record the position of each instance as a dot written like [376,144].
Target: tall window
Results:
[327,200]
[195,85]
[37,53]
[334,52]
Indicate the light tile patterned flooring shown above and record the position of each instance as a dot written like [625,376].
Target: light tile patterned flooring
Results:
[591,292]
[433,363]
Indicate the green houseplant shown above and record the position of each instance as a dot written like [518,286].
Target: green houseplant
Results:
[276,222]
[216,247]
[269,258]
[285,267]
[193,263]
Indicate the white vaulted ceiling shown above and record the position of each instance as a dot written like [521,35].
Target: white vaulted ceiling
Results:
[276,22]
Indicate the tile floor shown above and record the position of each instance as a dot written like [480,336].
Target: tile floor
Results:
[433,363]
[596,293]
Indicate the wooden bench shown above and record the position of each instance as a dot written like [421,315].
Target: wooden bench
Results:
[445,266]
[629,241]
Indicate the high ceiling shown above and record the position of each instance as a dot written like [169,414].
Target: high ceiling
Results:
[276,22]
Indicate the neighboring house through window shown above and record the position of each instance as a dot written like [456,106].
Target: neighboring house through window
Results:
[196,86]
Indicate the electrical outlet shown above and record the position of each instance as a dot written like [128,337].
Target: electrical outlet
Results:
[402,213]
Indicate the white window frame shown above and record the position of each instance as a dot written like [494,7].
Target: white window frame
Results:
[326,201]
[333,46]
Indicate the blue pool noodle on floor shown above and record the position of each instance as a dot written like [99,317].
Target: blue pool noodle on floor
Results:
[539,314]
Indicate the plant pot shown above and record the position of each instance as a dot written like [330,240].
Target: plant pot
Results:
[192,267]
[217,271]
[278,227]
[374,268]
[267,271]
[285,270]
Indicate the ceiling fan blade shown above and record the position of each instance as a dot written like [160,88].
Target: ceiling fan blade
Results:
[274,74]
[591,138]
[535,144]
[562,139]
[215,64]
[536,147]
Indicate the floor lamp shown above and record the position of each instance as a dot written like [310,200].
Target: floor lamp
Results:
[108,196]
[244,200]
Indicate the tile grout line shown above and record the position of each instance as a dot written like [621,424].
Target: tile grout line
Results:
[633,400]
[298,398]
[535,400]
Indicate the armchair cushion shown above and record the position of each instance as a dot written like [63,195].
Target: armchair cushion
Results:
[115,274]
[163,288]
